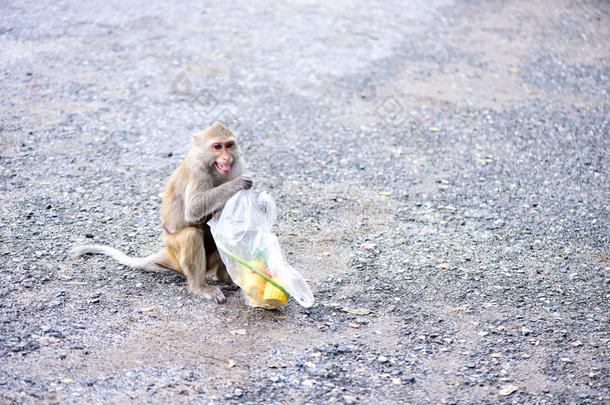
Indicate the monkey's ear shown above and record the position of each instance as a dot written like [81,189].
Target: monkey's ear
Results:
[199,139]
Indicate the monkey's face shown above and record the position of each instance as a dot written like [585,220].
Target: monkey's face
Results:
[222,152]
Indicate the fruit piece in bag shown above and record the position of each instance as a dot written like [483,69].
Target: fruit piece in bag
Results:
[258,290]
[273,296]
[253,285]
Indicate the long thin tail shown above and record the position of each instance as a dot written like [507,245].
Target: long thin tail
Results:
[154,262]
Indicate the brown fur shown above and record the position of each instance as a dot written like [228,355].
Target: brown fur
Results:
[194,192]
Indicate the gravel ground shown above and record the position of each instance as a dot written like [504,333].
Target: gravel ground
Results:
[465,144]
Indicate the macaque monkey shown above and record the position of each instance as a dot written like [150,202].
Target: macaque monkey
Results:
[209,175]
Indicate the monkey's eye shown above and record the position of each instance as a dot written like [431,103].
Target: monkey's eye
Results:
[230,145]
[217,146]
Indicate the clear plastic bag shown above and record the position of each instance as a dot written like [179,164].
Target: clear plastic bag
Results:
[252,254]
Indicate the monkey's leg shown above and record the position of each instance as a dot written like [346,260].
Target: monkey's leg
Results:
[190,253]
[216,265]
[221,274]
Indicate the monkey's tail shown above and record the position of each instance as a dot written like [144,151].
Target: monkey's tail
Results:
[155,262]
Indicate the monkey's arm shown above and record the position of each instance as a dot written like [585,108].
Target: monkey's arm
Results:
[199,204]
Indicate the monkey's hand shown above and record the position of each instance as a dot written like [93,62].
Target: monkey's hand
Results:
[203,203]
[246,182]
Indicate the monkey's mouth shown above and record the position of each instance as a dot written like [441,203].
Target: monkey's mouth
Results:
[222,168]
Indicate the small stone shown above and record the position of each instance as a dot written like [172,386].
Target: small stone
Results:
[525,331]
[382,359]
[349,400]
[507,390]
[471,365]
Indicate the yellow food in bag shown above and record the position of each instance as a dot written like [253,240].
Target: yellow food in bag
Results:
[273,296]
[254,285]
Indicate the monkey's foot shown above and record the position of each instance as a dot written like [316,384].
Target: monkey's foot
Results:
[212,293]
[230,287]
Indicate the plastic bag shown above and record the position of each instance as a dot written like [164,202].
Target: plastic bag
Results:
[252,254]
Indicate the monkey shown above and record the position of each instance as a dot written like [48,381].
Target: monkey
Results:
[210,174]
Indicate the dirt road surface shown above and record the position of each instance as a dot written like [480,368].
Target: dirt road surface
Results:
[465,143]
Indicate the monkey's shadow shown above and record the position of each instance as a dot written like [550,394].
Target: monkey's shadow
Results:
[235,301]
[179,280]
